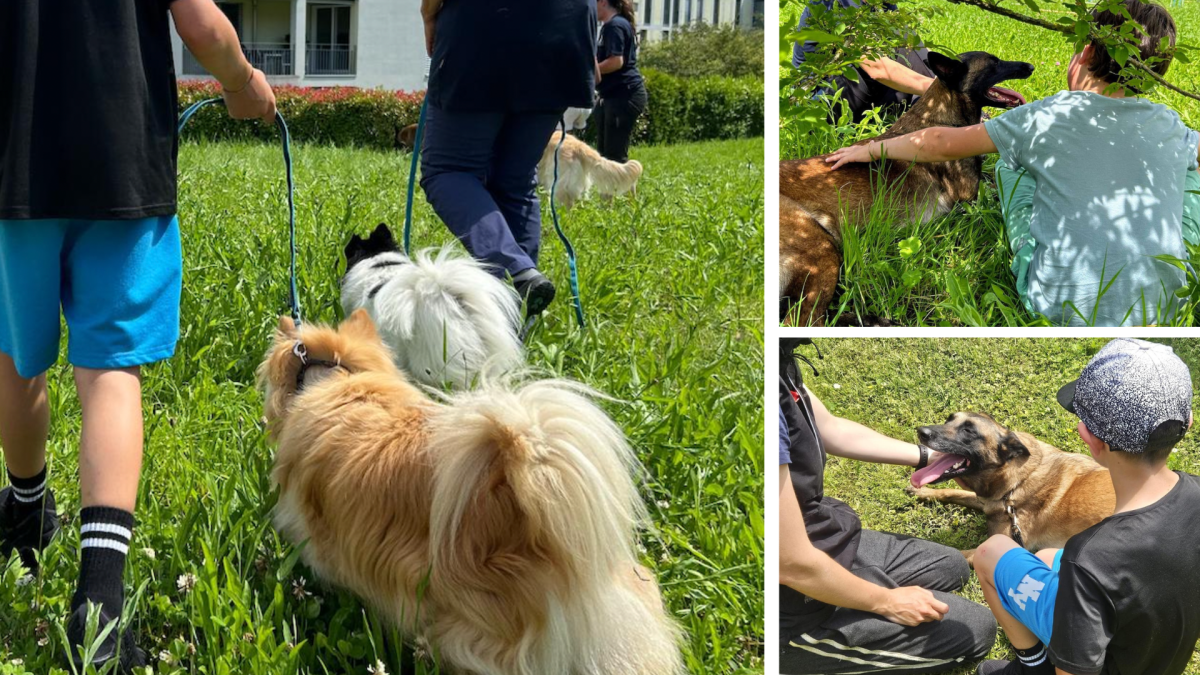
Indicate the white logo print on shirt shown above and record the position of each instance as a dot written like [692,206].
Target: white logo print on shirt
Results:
[1028,588]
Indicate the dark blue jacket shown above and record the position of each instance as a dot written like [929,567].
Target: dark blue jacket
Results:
[514,56]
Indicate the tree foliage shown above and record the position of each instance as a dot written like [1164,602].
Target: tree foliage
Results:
[848,36]
[703,50]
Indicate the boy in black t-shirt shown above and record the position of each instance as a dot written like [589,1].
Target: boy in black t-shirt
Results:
[87,224]
[1124,595]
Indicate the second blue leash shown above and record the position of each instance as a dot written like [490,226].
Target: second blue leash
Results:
[294,300]
[571,262]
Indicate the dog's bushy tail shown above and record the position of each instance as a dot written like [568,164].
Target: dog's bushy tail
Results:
[613,178]
[533,525]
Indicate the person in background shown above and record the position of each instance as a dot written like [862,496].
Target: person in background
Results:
[853,600]
[892,83]
[622,89]
[88,149]
[488,121]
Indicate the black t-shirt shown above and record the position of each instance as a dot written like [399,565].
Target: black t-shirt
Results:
[87,110]
[1129,590]
[514,56]
[832,526]
[617,39]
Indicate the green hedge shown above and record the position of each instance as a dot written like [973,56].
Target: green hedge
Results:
[680,110]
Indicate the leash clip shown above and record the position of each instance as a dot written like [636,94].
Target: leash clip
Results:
[301,352]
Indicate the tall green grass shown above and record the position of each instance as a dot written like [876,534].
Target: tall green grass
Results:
[672,286]
[960,275]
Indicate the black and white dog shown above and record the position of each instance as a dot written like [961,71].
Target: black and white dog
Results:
[446,320]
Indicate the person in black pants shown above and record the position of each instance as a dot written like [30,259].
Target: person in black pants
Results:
[622,90]
[853,600]
[488,122]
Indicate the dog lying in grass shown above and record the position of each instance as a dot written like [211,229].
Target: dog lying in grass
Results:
[498,524]
[816,203]
[580,168]
[1029,490]
[447,321]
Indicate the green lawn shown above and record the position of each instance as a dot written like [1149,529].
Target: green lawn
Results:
[895,386]
[672,287]
[959,275]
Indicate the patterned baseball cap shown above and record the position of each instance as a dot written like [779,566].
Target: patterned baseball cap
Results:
[1134,395]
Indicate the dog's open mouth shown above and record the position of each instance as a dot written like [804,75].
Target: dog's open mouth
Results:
[946,467]
[1005,98]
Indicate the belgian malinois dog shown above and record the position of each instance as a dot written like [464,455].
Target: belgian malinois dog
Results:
[816,203]
[1029,490]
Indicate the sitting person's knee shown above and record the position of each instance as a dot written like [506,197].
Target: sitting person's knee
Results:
[989,553]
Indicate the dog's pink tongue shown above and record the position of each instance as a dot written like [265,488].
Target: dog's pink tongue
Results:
[934,471]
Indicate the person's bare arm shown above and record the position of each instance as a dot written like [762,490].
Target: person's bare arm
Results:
[896,76]
[210,37]
[935,144]
[429,12]
[810,571]
[845,438]
[612,64]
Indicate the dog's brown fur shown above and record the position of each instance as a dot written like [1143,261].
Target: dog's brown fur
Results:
[498,524]
[1055,494]
[817,203]
[406,138]
[580,167]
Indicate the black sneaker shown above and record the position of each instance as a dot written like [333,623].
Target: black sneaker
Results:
[115,645]
[535,290]
[29,533]
[998,667]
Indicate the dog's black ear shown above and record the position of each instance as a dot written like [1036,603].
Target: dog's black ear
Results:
[1011,448]
[948,69]
[382,237]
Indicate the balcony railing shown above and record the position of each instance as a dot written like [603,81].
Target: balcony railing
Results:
[272,59]
[330,60]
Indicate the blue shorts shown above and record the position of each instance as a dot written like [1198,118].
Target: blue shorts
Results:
[1027,590]
[117,283]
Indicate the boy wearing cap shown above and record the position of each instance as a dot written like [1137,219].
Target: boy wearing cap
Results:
[1123,595]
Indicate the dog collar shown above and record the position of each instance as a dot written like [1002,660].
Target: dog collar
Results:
[1012,519]
[301,353]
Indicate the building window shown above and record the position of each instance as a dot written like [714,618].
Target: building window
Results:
[330,51]
[648,17]
[233,11]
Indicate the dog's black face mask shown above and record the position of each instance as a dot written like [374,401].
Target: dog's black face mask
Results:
[976,75]
[380,241]
[973,444]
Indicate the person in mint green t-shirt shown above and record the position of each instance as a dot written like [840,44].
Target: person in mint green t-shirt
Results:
[1093,184]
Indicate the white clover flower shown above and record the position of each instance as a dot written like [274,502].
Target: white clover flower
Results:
[149,553]
[186,582]
[378,668]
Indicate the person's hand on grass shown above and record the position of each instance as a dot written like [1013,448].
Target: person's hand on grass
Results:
[852,153]
[911,606]
[254,100]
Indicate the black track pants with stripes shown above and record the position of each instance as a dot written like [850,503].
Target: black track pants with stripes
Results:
[851,641]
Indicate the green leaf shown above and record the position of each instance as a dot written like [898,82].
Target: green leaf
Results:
[813,35]
[909,247]
[1033,6]
[910,278]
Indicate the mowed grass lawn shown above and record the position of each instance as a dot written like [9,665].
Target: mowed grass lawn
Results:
[959,274]
[895,386]
[672,285]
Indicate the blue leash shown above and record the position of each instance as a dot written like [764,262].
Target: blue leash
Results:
[291,190]
[562,235]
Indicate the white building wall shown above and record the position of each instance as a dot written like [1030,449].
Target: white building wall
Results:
[388,36]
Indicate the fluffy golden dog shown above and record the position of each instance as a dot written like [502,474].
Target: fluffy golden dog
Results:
[498,524]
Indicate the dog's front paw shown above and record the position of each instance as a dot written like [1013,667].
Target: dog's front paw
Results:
[922,493]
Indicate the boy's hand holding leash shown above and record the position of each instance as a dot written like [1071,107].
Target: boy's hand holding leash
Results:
[252,99]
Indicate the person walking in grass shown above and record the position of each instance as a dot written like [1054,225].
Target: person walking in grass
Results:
[854,600]
[87,223]
[622,90]
[503,74]
[1123,596]
[1094,185]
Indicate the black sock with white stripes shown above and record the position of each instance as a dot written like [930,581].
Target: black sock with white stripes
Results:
[27,493]
[104,537]
[1034,660]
